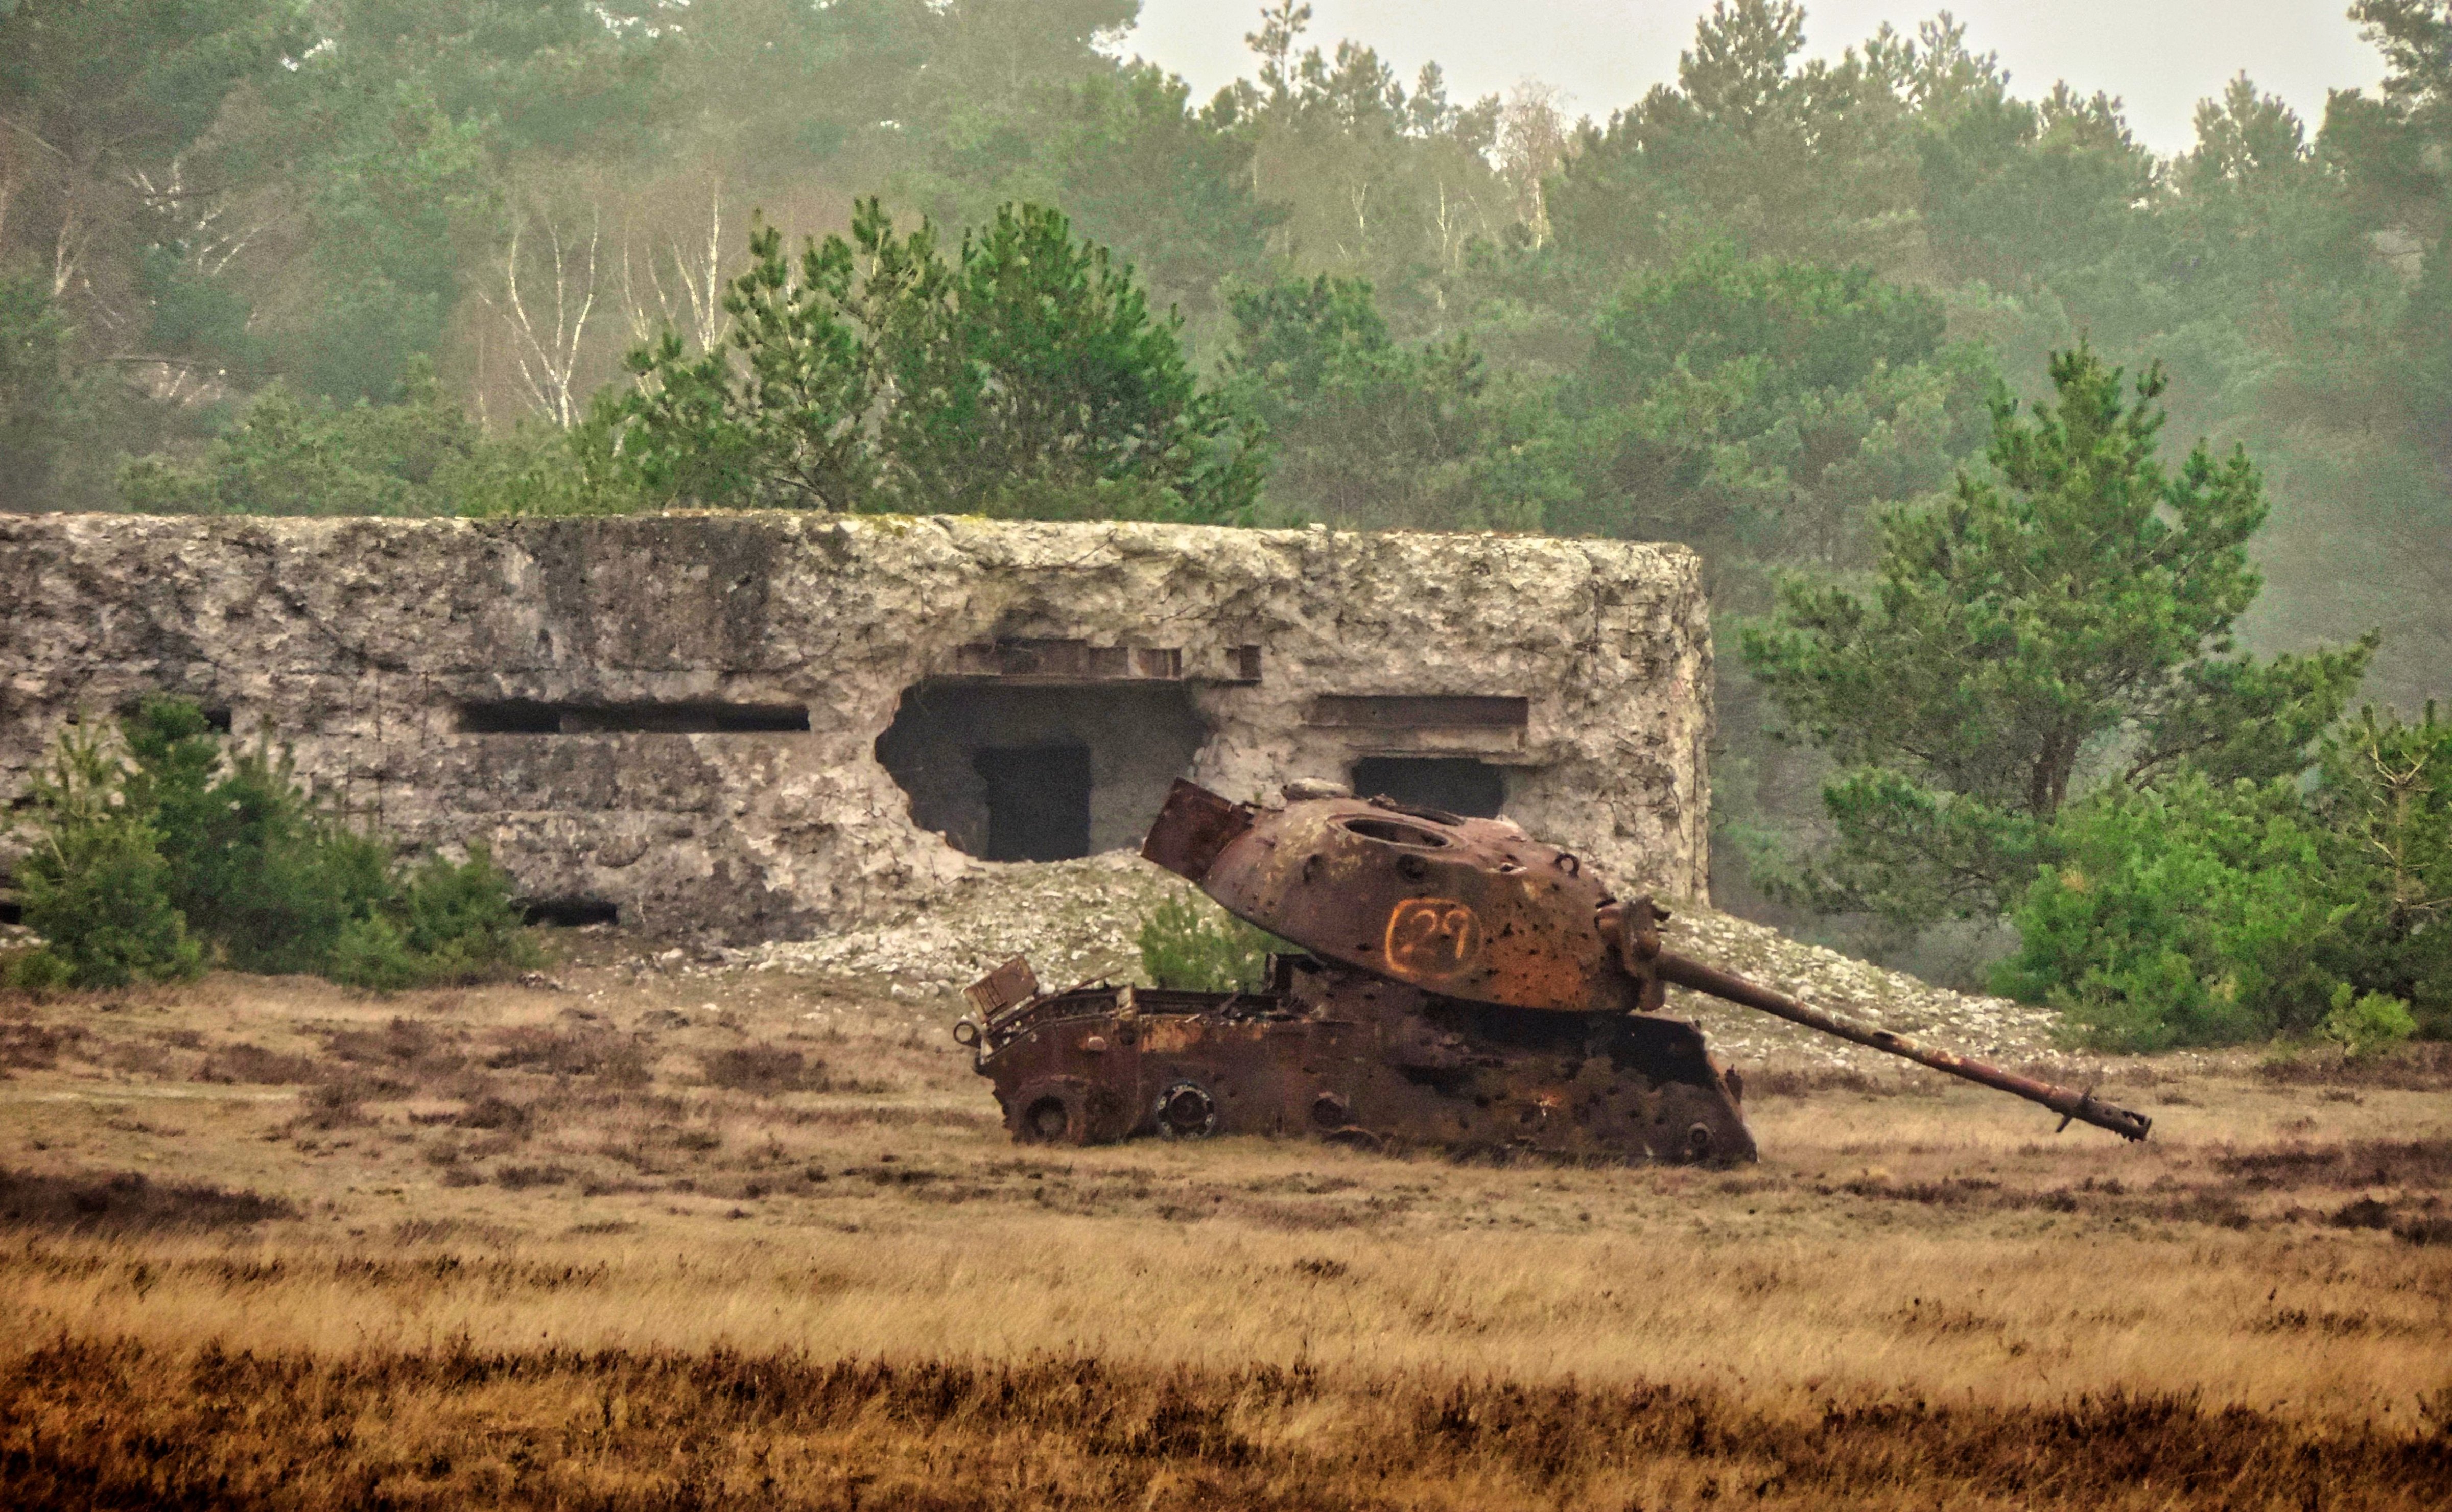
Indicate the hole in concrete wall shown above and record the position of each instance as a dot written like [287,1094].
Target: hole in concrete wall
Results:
[12,912]
[1457,784]
[570,913]
[1039,801]
[1040,772]
[530,716]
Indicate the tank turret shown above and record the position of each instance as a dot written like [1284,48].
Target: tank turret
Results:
[1460,984]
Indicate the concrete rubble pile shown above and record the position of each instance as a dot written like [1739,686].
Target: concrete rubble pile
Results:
[1080,920]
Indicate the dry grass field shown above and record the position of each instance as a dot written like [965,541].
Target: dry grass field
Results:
[667,1235]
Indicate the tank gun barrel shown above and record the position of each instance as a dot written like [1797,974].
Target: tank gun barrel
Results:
[1684,971]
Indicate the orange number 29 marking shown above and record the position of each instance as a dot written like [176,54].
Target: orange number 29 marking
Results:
[1432,937]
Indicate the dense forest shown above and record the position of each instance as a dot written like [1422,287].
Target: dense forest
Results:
[371,256]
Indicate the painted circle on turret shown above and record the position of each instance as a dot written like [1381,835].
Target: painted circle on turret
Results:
[1432,938]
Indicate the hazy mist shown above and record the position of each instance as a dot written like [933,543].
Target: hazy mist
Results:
[2159,56]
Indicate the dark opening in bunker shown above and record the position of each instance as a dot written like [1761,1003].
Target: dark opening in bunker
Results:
[1039,801]
[1458,784]
[534,717]
[1040,772]
[570,913]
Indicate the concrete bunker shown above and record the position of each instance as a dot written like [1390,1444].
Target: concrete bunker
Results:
[1040,772]
[730,724]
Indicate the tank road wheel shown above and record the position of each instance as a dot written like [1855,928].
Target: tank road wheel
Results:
[1692,1125]
[1185,1111]
[1062,1112]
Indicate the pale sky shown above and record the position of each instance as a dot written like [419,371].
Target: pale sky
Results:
[2160,56]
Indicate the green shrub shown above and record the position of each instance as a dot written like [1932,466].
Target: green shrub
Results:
[189,841]
[291,455]
[442,924]
[256,862]
[1198,947]
[94,886]
[373,953]
[2201,913]
[37,971]
[459,923]
[2192,916]
[2384,798]
[540,469]
[2366,1024]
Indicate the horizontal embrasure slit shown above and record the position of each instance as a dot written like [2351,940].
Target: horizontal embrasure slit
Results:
[1418,712]
[531,717]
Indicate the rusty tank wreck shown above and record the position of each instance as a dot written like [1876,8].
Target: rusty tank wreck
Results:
[1458,985]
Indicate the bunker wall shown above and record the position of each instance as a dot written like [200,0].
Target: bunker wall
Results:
[682,716]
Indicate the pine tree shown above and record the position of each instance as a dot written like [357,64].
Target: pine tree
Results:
[2072,620]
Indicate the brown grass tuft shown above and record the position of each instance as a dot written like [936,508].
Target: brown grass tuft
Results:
[125,1201]
[618,1058]
[29,1046]
[252,1064]
[2420,1068]
[765,1069]
[92,1423]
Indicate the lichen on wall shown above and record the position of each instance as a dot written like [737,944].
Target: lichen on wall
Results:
[617,704]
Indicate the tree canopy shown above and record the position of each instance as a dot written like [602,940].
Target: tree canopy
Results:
[570,255]
[2073,615]
[1024,371]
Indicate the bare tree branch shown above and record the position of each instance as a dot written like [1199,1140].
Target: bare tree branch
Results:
[698,308]
[1532,143]
[546,338]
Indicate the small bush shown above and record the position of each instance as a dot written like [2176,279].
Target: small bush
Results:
[2179,917]
[536,469]
[495,1113]
[94,884]
[2383,797]
[448,925]
[2366,1023]
[27,1045]
[2201,913]
[520,1178]
[336,1105]
[127,1202]
[1198,947]
[142,862]
[581,1052]
[406,1046]
[257,864]
[373,953]
[38,972]
[254,1065]
[462,922]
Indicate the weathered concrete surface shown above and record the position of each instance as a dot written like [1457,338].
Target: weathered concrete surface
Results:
[363,642]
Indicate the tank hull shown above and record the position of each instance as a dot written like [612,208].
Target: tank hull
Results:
[1344,1056]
